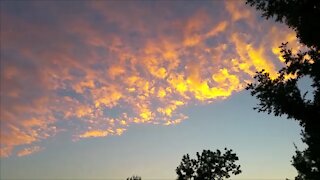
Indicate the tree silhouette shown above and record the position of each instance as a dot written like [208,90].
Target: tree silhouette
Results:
[134,178]
[208,166]
[282,96]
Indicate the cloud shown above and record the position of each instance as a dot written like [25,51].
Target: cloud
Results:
[28,151]
[94,133]
[102,71]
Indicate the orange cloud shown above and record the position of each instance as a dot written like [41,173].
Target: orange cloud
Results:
[101,77]
[219,28]
[193,27]
[116,71]
[5,151]
[107,96]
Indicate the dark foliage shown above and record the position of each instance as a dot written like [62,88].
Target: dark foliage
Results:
[208,166]
[281,96]
[300,15]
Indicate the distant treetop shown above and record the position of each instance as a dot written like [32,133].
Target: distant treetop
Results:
[134,178]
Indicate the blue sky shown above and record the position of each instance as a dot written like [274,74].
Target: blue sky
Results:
[106,89]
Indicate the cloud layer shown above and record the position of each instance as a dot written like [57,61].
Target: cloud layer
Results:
[96,68]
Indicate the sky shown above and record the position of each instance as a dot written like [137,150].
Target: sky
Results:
[109,89]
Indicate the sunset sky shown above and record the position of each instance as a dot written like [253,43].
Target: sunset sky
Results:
[109,89]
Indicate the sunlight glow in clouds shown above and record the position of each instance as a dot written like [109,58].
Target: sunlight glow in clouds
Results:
[107,65]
